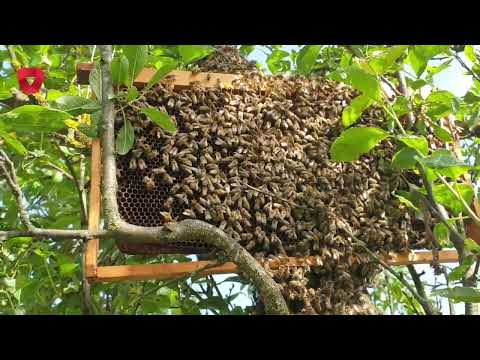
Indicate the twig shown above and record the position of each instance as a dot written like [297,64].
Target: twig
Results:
[465,66]
[80,189]
[59,169]
[13,57]
[12,181]
[451,308]
[427,307]
[217,290]
[406,93]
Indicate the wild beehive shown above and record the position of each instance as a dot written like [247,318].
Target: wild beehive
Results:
[254,161]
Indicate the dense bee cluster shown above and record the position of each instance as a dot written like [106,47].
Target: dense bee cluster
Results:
[254,161]
[226,59]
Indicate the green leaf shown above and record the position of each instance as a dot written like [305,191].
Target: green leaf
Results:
[34,118]
[419,55]
[53,95]
[95,81]
[68,269]
[119,69]
[9,283]
[13,143]
[445,197]
[445,163]
[137,56]
[191,53]
[442,233]
[383,62]
[417,84]
[406,202]
[132,94]
[471,245]
[433,70]
[354,142]
[361,80]
[460,294]
[19,241]
[306,58]
[440,104]
[245,50]
[419,143]
[405,158]
[442,134]
[458,273]
[164,67]
[76,105]
[276,61]
[401,106]
[213,302]
[125,138]
[470,53]
[161,119]
[92,131]
[353,111]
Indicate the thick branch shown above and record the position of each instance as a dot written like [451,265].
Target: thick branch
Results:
[186,230]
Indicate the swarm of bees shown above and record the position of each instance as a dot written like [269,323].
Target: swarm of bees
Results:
[254,161]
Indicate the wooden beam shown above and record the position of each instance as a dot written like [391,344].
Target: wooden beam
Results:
[178,270]
[181,79]
[91,252]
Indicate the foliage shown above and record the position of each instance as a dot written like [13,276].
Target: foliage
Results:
[48,138]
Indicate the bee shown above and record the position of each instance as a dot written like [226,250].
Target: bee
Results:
[152,154]
[149,183]
[132,164]
[137,153]
[168,203]
[189,213]
[141,164]
[159,171]
[168,179]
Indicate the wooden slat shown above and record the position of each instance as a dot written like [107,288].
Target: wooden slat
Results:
[91,252]
[172,271]
[180,79]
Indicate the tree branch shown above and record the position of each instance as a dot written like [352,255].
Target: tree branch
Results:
[427,307]
[186,230]
[13,58]
[55,234]
[465,66]
[12,182]
[406,93]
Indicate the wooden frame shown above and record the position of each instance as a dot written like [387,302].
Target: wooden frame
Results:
[95,273]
